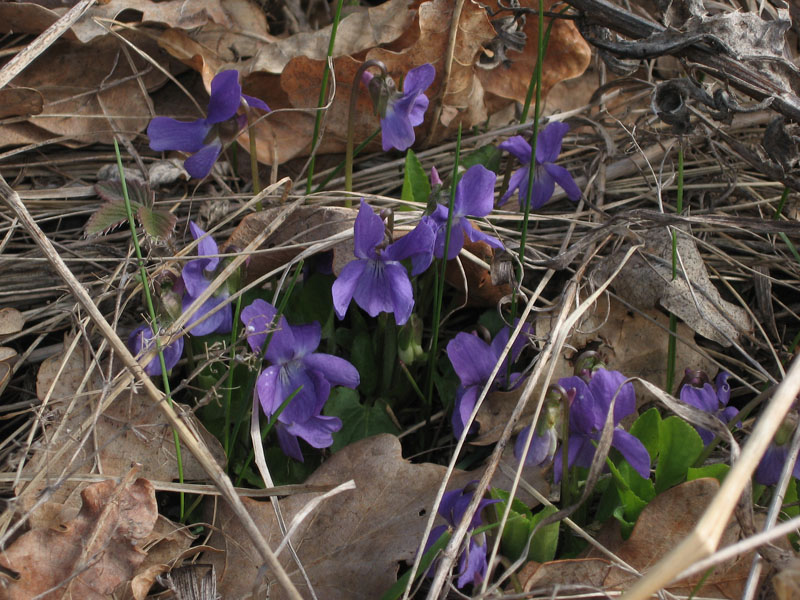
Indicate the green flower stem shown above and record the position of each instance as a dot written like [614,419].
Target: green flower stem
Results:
[351,121]
[226,437]
[672,346]
[251,134]
[341,165]
[536,82]
[440,281]
[323,94]
[151,312]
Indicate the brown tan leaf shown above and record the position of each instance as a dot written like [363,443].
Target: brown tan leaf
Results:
[30,17]
[11,321]
[132,429]
[19,101]
[567,56]
[70,76]
[357,32]
[90,555]
[351,545]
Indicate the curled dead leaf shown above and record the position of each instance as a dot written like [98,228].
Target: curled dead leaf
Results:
[89,556]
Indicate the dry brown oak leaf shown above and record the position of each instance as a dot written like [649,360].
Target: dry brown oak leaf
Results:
[463,91]
[351,544]
[90,555]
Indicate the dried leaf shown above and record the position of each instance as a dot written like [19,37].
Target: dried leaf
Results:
[30,17]
[16,102]
[787,581]
[480,290]
[567,56]
[11,321]
[646,281]
[80,83]
[305,226]
[360,30]
[90,555]
[132,429]
[352,544]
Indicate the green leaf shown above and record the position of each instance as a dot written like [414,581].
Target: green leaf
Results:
[645,429]
[519,526]
[679,445]
[363,357]
[634,493]
[718,471]
[111,191]
[159,224]
[106,218]
[488,156]
[416,186]
[545,542]
[358,421]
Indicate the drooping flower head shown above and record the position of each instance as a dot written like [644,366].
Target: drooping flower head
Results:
[474,198]
[473,361]
[400,112]
[546,174]
[295,367]
[697,391]
[203,138]
[376,279]
[587,415]
[197,275]
[142,340]
[472,564]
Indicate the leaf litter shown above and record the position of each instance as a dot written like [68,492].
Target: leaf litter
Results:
[285,69]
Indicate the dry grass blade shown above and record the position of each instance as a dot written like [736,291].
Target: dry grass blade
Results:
[15,66]
[705,538]
[187,437]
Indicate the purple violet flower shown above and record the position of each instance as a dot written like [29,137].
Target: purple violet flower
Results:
[587,415]
[472,564]
[376,279]
[698,392]
[294,365]
[141,340]
[401,112]
[474,198]
[547,173]
[197,275]
[474,360]
[203,138]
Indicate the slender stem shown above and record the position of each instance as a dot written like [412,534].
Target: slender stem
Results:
[783,235]
[151,312]
[340,166]
[226,437]
[439,293]
[536,81]
[323,94]
[351,121]
[251,134]
[672,346]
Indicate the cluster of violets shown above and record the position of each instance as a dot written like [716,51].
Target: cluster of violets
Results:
[378,280]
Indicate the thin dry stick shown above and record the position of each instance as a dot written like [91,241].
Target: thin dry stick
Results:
[706,535]
[15,66]
[200,452]
[448,66]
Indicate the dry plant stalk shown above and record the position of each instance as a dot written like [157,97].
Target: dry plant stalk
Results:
[705,538]
[200,452]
